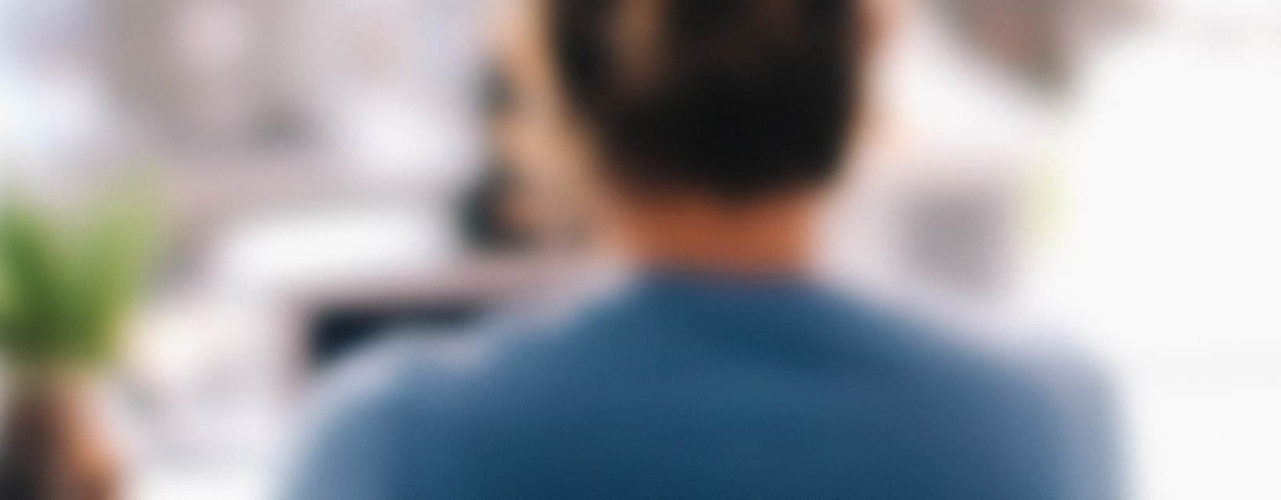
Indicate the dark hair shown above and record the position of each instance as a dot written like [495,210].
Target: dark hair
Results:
[739,97]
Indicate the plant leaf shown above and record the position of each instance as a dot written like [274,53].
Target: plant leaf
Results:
[110,272]
[33,263]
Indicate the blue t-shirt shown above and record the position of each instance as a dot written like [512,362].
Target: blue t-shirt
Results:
[688,387]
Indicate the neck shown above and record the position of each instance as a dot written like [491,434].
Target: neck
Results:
[705,234]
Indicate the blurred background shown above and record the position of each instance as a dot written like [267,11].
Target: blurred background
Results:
[1092,181]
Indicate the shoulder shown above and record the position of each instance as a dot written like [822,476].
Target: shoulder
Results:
[350,432]
[377,421]
[1007,427]
[385,383]
[415,377]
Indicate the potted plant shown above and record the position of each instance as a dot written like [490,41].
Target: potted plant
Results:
[68,279]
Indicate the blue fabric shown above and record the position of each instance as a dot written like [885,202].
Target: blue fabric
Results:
[696,387]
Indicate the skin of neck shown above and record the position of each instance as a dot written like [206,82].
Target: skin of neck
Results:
[693,231]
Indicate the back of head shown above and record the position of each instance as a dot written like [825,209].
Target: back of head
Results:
[739,98]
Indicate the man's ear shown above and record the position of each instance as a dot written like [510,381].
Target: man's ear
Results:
[878,25]
[880,21]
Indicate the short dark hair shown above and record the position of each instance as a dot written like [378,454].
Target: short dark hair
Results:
[739,97]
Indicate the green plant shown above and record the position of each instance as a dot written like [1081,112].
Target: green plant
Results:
[68,278]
